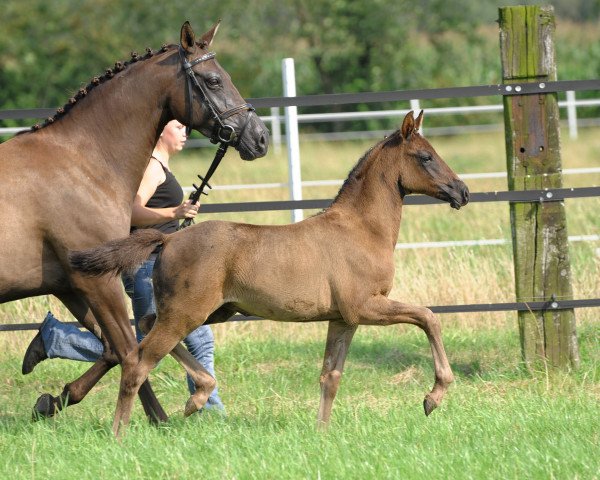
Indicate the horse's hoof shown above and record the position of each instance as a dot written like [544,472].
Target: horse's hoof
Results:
[429,405]
[45,407]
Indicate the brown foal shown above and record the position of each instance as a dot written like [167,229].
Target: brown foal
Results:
[70,183]
[337,266]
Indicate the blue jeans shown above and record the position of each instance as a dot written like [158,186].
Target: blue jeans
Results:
[67,341]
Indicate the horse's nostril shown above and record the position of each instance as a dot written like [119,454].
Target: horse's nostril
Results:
[263,141]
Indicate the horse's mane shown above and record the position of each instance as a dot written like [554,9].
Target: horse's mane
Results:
[94,82]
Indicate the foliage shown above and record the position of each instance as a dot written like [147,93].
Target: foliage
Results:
[49,49]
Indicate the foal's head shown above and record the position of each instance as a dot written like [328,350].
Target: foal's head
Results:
[421,170]
[217,109]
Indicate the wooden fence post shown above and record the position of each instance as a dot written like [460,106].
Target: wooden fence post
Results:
[539,230]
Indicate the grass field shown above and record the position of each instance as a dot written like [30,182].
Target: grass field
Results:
[497,421]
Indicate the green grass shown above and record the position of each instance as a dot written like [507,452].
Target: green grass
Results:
[497,421]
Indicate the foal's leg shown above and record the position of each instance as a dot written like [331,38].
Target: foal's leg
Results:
[203,380]
[339,336]
[137,365]
[47,405]
[381,310]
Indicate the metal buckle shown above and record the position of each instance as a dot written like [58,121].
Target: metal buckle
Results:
[230,137]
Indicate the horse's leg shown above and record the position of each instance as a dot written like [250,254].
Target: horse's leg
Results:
[381,310]
[105,297]
[47,405]
[339,336]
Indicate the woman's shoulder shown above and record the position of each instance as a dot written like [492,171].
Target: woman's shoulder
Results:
[155,171]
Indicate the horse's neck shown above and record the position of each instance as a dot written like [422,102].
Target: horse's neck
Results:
[116,127]
[371,199]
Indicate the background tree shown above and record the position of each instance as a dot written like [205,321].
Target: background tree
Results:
[50,49]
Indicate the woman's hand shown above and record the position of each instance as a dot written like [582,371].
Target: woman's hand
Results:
[187,210]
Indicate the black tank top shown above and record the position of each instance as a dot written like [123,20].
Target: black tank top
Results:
[167,194]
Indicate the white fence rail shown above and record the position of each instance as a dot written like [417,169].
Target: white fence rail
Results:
[326,183]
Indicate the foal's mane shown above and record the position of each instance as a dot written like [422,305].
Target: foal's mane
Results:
[94,82]
[364,161]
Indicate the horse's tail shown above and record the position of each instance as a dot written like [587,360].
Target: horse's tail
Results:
[118,256]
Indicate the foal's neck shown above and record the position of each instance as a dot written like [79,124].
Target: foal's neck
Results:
[370,196]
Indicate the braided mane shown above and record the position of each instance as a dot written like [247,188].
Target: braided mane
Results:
[94,82]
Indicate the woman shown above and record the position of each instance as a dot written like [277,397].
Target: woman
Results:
[158,204]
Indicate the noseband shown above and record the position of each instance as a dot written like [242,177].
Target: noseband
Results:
[222,132]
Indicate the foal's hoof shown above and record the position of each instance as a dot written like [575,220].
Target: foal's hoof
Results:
[191,407]
[429,405]
[45,407]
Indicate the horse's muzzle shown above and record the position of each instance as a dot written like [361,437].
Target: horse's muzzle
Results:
[254,141]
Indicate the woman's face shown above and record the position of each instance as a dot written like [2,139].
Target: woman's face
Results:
[173,136]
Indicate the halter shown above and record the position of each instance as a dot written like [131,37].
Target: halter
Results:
[222,132]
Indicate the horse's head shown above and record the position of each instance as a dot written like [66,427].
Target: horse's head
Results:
[421,168]
[209,102]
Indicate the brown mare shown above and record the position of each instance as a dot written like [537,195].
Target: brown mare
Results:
[337,266]
[70,184]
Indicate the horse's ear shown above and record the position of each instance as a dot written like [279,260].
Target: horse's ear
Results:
[408,125]
[419,121]
[208,37]
[187,37]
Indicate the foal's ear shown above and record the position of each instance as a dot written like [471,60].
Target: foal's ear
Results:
[187,37]
[208,37]
[408,125]
[419,121]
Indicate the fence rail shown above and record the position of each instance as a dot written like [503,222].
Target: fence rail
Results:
[467,308]
[339,182]
[571,103]
[550,195]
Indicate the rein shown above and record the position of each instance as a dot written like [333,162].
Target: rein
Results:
[223,134]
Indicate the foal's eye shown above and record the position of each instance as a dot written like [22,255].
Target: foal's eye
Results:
[425,156]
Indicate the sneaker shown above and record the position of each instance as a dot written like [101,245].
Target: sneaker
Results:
[36,352]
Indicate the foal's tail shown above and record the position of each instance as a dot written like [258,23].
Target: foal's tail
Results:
[117,256]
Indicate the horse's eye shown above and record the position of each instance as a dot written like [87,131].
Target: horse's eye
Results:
[213,81]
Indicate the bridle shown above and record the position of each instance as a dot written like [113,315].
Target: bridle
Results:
[222,133]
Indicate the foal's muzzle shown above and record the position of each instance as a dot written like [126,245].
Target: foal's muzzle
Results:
[456,193]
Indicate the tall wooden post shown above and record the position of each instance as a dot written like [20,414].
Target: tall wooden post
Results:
[539,230]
